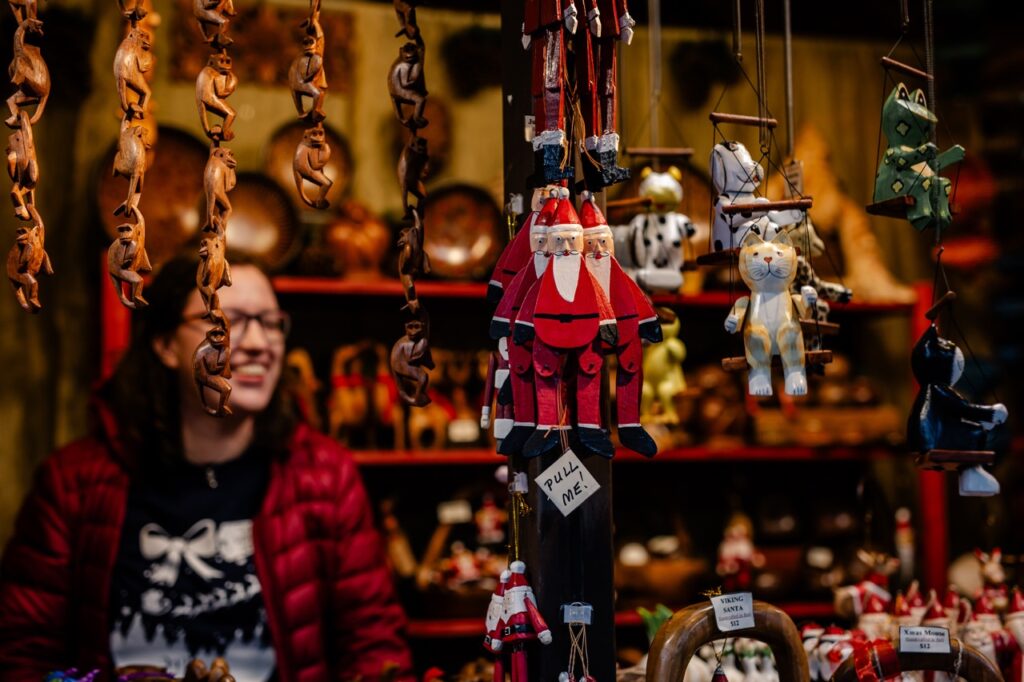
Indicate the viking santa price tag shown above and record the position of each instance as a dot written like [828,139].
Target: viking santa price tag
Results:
[567,483]
[734,611]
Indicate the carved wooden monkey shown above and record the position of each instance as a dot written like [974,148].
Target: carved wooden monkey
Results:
[127,260]
[29,74]
[405,10]
[23,9]
[412,261]
[132,60]
[22,167]
[412,167]
[214,271]
[410,360]
[25,259]
[311,156]
[407,86]
[212,16]
[130,162]
[306,79]
[218,180]
[211,369]
[214,85]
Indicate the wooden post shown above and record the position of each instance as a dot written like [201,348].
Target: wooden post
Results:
[567,559]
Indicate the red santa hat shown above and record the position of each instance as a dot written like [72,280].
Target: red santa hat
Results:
[811,630]
[935,612]
[834,633]
[914,597]
[952,598]
[983,606]
[547,211]
[874,605]
[517,575]
[591,217]
[900,606]
[565,217]
[1016,602]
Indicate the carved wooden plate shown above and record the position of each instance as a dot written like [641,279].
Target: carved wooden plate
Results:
[462,232]
[263,223]
[281,151]
[170,197]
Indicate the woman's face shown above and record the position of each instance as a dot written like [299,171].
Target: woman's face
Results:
[257,351]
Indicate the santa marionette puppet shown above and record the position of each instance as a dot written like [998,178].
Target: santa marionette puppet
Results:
[494,622]
[635,320]
[518,252]
[567,317]
[522,621]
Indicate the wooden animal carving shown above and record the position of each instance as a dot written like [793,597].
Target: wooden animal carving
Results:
[407,86]
[311,156]
[23,9]
[413,261]
[130,162]
[412,167]
[770,316]
[214,271]
[219,179]
[24,261]
[213,16]
[405,10]
[133,59]
[211,369]
[22,167]
[214,84]
[127,260]
[29,74]
[410,362]
[306,78]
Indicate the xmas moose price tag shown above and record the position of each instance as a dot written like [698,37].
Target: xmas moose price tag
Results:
[567,483]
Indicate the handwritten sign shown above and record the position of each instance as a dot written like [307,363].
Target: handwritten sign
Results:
[734,611]
[567,483]
[922,640]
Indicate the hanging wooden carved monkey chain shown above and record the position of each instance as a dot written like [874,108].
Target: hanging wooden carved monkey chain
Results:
[214,84]
[127,260]
[307,79]
[31,80]
[410,356]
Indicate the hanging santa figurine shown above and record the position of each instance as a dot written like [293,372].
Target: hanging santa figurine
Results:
[567,317]
[522,621]
[635,320]
[494,622]
[518,252]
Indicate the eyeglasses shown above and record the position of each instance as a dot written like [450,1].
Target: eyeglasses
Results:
[275,323]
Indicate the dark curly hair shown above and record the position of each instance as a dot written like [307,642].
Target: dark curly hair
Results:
[144,394]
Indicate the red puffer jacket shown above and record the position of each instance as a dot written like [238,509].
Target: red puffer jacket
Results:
[330,601]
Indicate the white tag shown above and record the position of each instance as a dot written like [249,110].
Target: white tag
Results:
[734,611]
[577,612]
[567,483]
[463,431]
[529,128]
[923,640]
[520,483]
[453,512]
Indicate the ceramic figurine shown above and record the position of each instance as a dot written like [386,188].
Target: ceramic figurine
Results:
[29,73]
[875,621]
[653,242]
[519,251]
[935,616]
[836,646]
[663,373]
[735,176]
[941,418]
[567,317]
[994,575]
[984,612]
[957,610]
[911,162]
[127,260]
[214,84]
[850,600]
[976,633]
[522,622]
[608,23]
[635,321]
[811,634]
[770,316]
[737,556]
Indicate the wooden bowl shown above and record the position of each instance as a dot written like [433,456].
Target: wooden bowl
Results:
[463,237]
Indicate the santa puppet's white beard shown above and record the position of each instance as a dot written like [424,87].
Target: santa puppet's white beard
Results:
[566,270]
[540,262]
[601,268]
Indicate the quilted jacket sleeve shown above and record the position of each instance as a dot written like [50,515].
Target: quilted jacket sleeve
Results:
[368,621]
[34,584]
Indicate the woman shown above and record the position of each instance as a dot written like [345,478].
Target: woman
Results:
[170,534]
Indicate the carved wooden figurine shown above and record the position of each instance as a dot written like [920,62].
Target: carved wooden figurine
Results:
[412,167]
[770,316]
[214,271]
[311,156]
[22,167]
[29,74]
[213,17]
[412,260]
[306,79]
[405,10]
[211,368]
[133,59]
[130,162]
[127,260]
[23,9]
[214,85]
[410,360]
[219,179]
[24,261]
[407,86]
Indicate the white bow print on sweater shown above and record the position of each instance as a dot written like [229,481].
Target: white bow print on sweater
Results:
[199,542]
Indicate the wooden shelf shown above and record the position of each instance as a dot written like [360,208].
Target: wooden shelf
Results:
[746,453]
[474,627]
[327,286]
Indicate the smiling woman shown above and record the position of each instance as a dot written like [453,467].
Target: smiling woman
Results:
[163,536]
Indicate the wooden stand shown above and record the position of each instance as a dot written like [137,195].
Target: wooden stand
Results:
[974,665]
[811,357]
[742,120]
[954,460]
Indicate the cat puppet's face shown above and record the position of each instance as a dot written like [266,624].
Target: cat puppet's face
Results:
[767,265]
[936,360]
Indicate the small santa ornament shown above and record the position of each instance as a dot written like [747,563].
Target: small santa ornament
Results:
[522,621]
[915,600]
[494,622]
[811,634]
[955,609]
[976,632]
[835,647]
[635,320]
[935,616]
[737,556]
[902,616]
[986,614]
[875,622]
